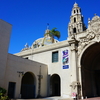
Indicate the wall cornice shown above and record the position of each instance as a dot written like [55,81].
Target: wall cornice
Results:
[43,49]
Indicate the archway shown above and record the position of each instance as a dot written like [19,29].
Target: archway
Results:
[55,85]
[90,69]
[28,86]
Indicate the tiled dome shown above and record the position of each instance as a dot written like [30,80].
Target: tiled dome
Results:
[46,40]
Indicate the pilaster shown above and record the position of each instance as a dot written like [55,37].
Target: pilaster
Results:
[74,77]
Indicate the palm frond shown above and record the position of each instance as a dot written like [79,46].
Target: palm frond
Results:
[53,33]
[54,29]
[57,34]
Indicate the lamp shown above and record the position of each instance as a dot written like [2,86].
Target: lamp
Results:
[20,73]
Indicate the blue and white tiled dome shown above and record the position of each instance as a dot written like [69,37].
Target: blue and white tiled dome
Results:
[46,40]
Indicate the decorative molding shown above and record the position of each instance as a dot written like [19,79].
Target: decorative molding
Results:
[85,41]
[73,47]
[93,32]
[74,84]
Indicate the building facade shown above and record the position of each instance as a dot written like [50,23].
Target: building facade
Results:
[20,77]
[67,68]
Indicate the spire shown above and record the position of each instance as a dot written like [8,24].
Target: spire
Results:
[75,4]
[47,30]
[76,9]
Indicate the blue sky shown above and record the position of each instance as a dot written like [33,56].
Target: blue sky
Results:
[29,18]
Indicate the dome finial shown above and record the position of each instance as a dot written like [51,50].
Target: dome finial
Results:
[95,14]
[75,4]
[47,30]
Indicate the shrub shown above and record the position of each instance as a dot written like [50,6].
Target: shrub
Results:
[2,94]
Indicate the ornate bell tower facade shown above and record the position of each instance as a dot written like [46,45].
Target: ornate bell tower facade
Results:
[76,24]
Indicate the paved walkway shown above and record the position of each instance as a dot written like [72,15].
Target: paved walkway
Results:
[47,98]
[95,98]
[59,98]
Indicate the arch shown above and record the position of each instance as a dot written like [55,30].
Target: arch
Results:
[28,85]
[74,30]
[81,54]
[74,19]
[77,10]
[74,11]
[90,70]
[55,85]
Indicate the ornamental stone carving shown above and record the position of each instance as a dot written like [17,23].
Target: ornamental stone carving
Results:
[93,32]
[74,84]
[94,25]
[85,41]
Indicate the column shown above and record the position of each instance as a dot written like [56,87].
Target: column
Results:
[73,63]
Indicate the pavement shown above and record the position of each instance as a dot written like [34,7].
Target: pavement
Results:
[47,98]
[59,98]
[95,98]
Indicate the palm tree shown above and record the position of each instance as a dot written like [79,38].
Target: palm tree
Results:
[53,33]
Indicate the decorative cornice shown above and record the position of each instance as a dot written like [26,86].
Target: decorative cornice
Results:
[43,49]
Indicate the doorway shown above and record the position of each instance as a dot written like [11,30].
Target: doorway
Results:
[97,81]
[28,86]
[11,89]
[55,85]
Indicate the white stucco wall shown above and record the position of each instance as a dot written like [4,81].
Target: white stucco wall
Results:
[15,63]
[44,55]
[5,30]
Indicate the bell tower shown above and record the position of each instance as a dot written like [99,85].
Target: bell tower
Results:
[76,24]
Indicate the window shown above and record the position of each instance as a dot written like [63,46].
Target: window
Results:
[77,11]
[74,11]
[74,30]
[55,56]
[35,46]
[74,20]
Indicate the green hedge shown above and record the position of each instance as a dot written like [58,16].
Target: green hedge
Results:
[2,94]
